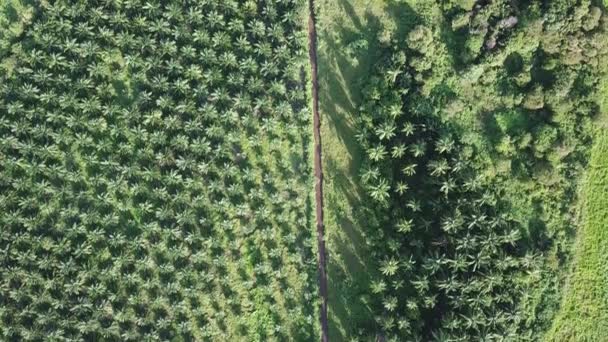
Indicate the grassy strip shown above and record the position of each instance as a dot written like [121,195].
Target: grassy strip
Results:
[348,257]
[349,34]
[584,312]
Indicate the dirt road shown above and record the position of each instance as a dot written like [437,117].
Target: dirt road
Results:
[312,51]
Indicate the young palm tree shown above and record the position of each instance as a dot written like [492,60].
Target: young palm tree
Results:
[390,303]
[401,188]
[378,286]
[405,226]
[380,191]
[409,170]
[398,151]
[377,153]
[386,131]
[391,75]
[408,129]
[448,186]
[389,267]
[414,205]
[438,168]
[418,149]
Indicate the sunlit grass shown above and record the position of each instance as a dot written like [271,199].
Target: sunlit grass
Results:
[584,312]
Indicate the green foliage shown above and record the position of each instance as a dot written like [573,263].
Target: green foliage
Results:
[519,110]
[446,240]
[350,34]
[154,173]
[15,16]
[512,122]
[155,182]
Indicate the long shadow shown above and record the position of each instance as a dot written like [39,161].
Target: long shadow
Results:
[344,67]
[349,266]
[350,46]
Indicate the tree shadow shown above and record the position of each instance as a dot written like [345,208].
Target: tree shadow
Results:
[348,55]
[351,41]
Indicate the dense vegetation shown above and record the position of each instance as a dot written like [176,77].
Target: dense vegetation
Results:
[15,15]
[154,172]
[477,125]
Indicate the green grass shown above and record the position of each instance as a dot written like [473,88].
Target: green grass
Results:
[344,61]
[584,312]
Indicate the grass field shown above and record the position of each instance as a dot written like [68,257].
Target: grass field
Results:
[584,312]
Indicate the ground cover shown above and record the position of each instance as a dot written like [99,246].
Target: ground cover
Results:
[343,68]
[584,310]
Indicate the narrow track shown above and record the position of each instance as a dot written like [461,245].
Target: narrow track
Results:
[312,52]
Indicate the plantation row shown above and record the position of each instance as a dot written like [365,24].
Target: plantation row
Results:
[474,140]
[154,172]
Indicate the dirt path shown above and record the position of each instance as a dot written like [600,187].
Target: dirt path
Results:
[312,51]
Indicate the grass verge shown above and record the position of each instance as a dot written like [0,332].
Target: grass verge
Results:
[349,36]
[340,22]
[584,312]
